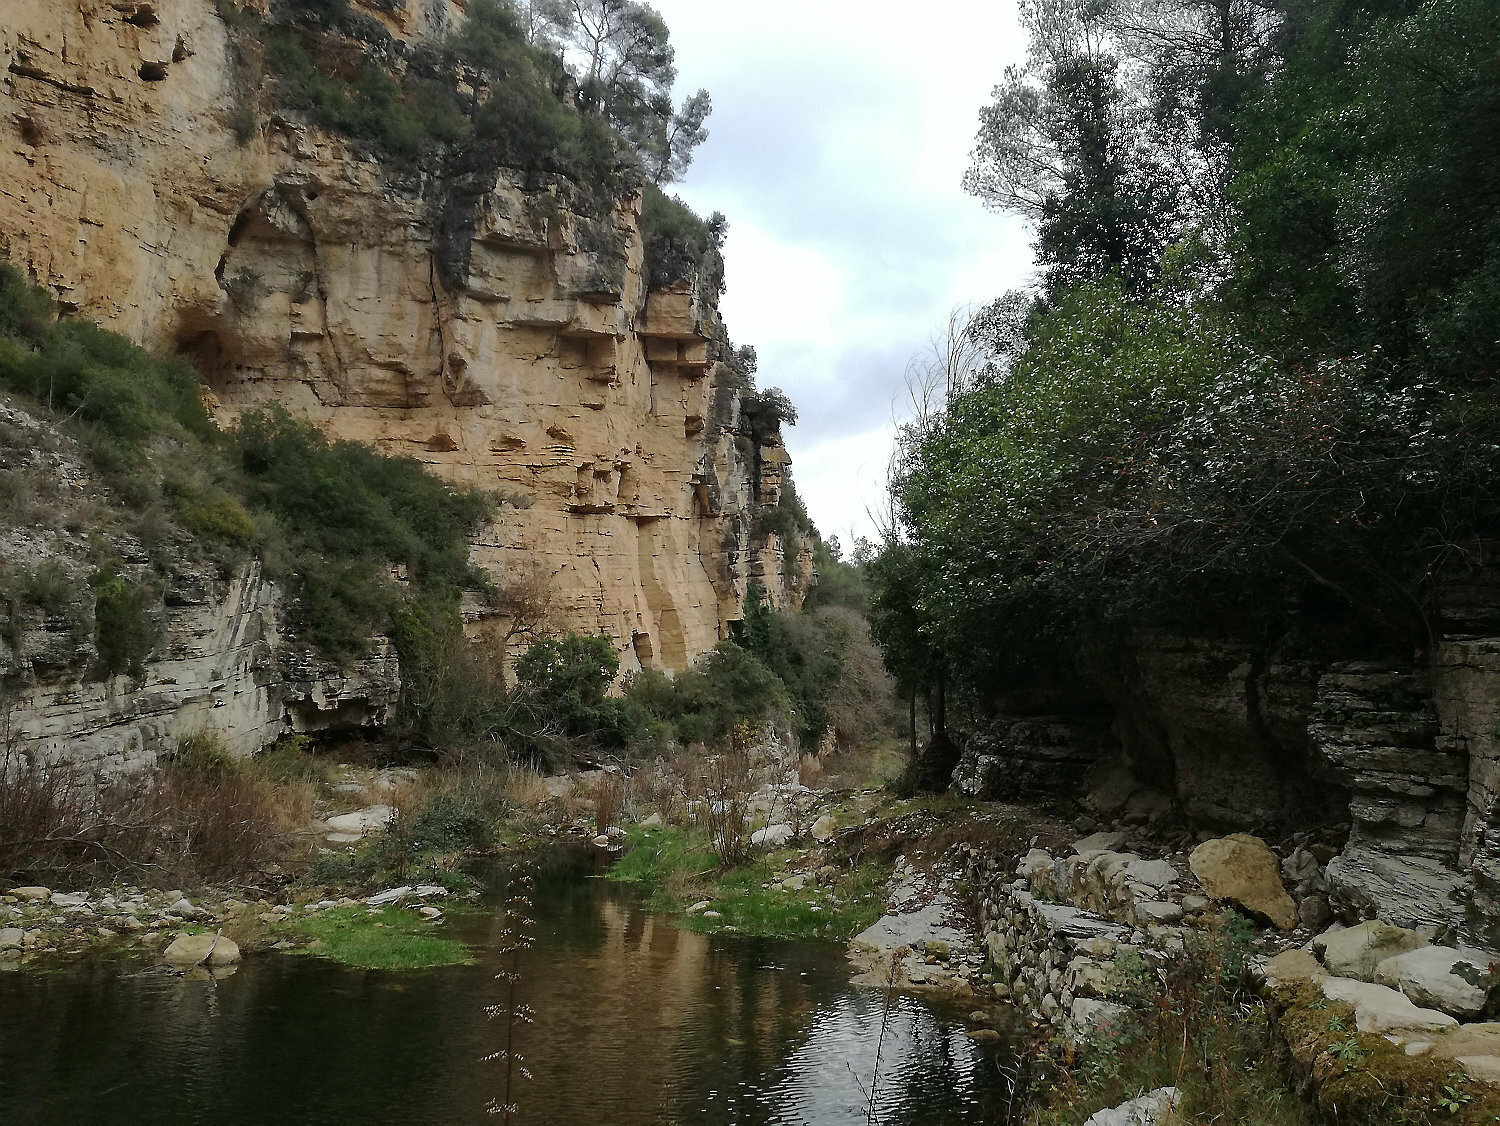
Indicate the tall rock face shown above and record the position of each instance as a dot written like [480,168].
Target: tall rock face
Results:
[1400,758]
[507,339]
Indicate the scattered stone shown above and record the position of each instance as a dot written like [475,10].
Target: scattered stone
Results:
[11,938]
[1380,1010]
[984,1035]
[1240,869]
[1196,904]
[195,949]
[1099,842]
[32,894]
[1438,977]
[429,912]
[1153,873]
[601,841]
[712,915]
[1356,951]
[772,836]
[1090,1017]
[361,822]
[701,905]
[652,822]
[794,883]
[1153,912]
[1145,1110]
[824,828]
[1315,912]
[392,895]
[67,899]
[1292,965]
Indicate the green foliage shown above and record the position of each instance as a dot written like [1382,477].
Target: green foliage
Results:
[123,635]
[703,704]
[202,758]
[330,518]
[76,368]
[676,239]
[677,867]
[1280,421]
[348,515]
[562,682]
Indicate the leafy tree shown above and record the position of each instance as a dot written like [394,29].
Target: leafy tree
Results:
[685,132]
[1064,144]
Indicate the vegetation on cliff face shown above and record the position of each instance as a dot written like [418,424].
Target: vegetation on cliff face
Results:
[330,519]
[1254,386]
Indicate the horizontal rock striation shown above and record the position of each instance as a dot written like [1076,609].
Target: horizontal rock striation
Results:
[500,330]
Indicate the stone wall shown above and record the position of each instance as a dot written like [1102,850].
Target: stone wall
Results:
[296,271]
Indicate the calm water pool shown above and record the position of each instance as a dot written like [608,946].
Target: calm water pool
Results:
[637,1022]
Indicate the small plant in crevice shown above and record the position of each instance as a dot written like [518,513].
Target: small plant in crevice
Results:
[515,940]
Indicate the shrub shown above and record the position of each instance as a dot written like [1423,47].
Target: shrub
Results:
[123,635]
[676,240]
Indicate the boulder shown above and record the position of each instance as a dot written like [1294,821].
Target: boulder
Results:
[1144,1110]
[1292,966]
[1241,870]
[1381,1010]
[1356,951]
[371,819]
[195,949]
[32,894]
[11,938]
[1438,977]
[772,836]
[1315,912]
[1153,873]
[69,899]
[1100,842]
[824,828]
[1089,1017]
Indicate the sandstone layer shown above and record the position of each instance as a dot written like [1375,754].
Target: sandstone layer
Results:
[295,270]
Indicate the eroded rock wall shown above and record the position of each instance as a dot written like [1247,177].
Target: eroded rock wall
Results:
[1399,757]
[145,185]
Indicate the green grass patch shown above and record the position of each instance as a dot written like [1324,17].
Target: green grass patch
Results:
[677,868]
[392,938]
[832,912]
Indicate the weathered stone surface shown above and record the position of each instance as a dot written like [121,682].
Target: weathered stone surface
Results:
[824,828]
[32,894]
[195,949]
[12,938]
[1292,966]
[1381,1010]
[1439,977]
[1144,1110]
[362,821]
[1357,951]
[294,270]
[1240,869]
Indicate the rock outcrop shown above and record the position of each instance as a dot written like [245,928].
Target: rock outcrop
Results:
[147,186]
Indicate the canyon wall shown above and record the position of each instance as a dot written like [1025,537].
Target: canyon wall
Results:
[147,185]
[1399,759]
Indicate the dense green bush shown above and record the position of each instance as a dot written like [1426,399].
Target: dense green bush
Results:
[703,704]
[123,635]
[348,514]
[1281,423]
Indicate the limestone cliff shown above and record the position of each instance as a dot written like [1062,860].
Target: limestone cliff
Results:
[1397,757]
[146,185]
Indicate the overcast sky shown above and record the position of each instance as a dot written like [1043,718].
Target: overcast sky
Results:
[837,147]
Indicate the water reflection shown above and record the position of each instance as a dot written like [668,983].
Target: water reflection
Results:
[638,1022]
